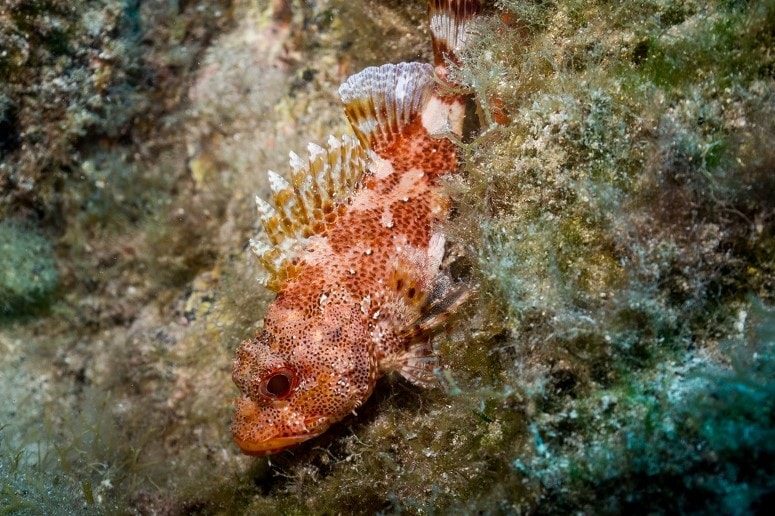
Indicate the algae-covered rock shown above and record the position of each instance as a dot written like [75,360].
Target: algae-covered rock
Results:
[28,270]
[78,73]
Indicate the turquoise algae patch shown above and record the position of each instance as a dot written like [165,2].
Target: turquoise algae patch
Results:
[28,272]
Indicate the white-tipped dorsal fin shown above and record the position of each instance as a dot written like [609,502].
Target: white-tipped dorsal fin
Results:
[314,150]
[295,161]
[305,204]
[276,182]
[381,102]
[265,210]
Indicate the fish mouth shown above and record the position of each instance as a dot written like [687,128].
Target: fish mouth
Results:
[271,446]
[267,430]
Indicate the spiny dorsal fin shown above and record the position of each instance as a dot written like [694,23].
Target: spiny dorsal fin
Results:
[450,25]
[381,101]
[305,205]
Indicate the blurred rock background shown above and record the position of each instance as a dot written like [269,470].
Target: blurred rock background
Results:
[619,222]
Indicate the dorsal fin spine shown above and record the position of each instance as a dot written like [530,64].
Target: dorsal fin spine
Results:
[299,207]
[314,151]
[299,175]
[334,160]
[280,200]
[267,214]
[265,210]
[317,169]
[316,165]
[276,182]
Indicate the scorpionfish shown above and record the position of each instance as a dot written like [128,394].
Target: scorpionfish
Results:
[352,248]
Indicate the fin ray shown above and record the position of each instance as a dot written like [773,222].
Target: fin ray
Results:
[381,101]
[419,363]
[449,23]
[304,204]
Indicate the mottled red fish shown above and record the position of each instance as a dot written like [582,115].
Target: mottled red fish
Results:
[353,251]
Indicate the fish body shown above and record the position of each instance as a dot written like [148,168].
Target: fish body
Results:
[354,252]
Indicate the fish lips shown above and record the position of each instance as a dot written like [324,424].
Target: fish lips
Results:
[255,435]
[272,445]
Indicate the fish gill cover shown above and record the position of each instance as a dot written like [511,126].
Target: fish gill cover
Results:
[618,220]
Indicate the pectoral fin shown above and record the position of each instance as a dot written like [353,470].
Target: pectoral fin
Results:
[419,363]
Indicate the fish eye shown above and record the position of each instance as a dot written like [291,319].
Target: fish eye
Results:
[278,385]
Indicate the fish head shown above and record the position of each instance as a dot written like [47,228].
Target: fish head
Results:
[300,375]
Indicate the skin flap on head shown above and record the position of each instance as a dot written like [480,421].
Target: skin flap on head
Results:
[381,101]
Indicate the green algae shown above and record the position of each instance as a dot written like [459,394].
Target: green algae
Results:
[29,272]
[77,73]
[689,437]
[606,179]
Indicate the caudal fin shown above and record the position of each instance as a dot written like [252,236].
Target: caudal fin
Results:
[450,22]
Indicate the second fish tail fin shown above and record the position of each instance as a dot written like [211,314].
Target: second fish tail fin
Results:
[450,24]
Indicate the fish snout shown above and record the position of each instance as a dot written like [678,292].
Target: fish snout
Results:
[267,429]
